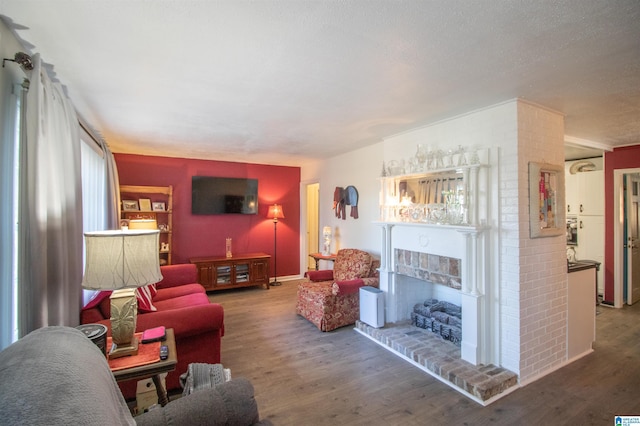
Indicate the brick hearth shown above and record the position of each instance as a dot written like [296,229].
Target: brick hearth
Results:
[441,359]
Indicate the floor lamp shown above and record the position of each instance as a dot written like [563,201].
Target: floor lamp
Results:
[275,213]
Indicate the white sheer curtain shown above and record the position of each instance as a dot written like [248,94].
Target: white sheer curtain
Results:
[94,186]
[50,209]
[94,190]
[12,78]
[113,189]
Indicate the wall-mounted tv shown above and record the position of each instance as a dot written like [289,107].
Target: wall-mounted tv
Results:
[220,195]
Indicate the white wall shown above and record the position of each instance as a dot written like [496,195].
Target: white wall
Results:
[360,168]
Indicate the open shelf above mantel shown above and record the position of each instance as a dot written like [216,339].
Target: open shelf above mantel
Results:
[442,197]
[445,170]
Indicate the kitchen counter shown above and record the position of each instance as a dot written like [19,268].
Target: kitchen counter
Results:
[581,265]
[581,309]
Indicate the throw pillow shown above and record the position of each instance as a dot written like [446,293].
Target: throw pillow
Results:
[145,298]
[153,290]
[97,299]
[342,288]
[324,275]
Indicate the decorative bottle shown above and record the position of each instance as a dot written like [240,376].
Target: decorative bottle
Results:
[228,248]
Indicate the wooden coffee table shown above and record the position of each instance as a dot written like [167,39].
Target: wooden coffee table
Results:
[153,370]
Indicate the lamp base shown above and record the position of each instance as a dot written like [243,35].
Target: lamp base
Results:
[124,350]
[275,283]
[124,312]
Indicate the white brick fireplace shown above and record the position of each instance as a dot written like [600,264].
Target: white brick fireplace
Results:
[517,328]
[468,244]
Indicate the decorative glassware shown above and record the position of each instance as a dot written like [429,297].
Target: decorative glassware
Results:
[453,207]
[395,168]
[421,155]
[384,170]
[462,159]
[439,159]
[414,166]
[474,156]
[450,154]
[437,213]
[430,160]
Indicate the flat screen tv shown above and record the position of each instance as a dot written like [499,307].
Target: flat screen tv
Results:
[220,195]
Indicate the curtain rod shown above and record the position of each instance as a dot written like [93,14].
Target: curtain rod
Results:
[100,143]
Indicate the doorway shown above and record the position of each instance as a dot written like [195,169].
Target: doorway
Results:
[626,250]
[631,256]
[313,231]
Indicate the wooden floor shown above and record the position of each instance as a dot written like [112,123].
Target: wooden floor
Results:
[306,377]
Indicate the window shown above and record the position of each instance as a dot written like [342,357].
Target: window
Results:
[10,115]
[94,190]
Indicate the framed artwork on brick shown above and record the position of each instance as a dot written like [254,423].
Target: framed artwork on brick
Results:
[546,200]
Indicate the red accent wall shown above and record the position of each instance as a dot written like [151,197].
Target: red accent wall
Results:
[204,235]
[620,158]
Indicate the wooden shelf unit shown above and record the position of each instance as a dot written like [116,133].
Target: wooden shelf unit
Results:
[244,270]
[164,219]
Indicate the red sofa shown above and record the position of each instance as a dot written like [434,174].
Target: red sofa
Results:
[182,304]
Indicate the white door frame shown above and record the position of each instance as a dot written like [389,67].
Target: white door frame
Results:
[618,235]
[632,296]
[304,252]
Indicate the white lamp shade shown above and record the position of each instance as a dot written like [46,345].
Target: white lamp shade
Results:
[121,259]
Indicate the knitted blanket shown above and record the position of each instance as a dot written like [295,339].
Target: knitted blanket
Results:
[203,376]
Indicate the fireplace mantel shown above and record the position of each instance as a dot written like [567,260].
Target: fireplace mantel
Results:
[466,241]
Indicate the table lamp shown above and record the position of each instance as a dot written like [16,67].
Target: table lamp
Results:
[122,261]
[275,213]
[326,246]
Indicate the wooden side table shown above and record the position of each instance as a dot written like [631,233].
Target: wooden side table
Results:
[319,256]
[153,370]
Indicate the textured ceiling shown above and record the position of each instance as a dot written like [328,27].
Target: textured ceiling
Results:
[282,82]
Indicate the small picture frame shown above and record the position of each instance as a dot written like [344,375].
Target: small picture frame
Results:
[124,223]
[145,204]
[159,207]
[130,206]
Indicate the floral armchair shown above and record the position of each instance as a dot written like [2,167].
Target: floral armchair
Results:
[331,298]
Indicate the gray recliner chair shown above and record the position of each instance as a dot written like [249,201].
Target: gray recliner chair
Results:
[56,376]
